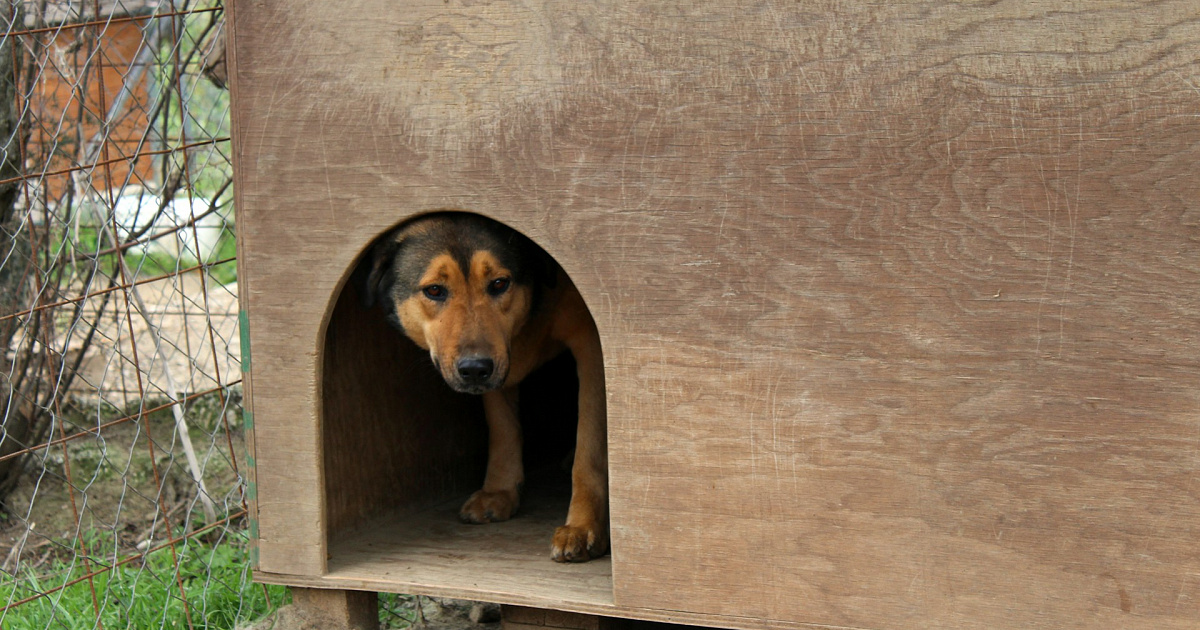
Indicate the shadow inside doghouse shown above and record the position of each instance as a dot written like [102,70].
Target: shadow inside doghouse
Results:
[398,439]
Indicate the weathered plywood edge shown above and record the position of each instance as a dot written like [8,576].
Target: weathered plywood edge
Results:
[605,609]
[308,553]
[249,462]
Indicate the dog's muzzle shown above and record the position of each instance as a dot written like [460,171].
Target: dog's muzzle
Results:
[475,375]
[475,370]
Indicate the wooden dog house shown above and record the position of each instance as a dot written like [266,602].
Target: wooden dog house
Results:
[899,301]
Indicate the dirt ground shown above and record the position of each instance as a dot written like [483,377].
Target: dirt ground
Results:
[187,338]
[436,613]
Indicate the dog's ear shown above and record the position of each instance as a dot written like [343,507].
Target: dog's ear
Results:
[373,278]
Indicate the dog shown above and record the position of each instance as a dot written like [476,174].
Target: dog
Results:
[490,306]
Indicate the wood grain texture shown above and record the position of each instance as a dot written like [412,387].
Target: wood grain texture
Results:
[899,301]
[328,609]
[523,618]
[431,552]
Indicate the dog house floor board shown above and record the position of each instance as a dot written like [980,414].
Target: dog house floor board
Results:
[432,553]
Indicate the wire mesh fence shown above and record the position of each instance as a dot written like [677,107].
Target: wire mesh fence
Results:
[121,455]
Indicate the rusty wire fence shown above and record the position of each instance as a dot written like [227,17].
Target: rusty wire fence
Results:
[121,495]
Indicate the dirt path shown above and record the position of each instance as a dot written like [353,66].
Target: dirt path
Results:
[198,327]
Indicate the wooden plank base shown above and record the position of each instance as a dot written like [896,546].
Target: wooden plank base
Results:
[525,618]
[432,553]
[325,609]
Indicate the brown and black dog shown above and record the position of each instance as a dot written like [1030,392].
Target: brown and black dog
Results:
[490,306]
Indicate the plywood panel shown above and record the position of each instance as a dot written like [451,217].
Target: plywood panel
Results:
[899,301]
[431,552]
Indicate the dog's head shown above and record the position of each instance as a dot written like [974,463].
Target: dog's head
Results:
[461,286]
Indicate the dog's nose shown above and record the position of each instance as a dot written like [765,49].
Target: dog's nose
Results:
[475,369]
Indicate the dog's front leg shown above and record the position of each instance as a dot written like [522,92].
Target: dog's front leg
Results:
[585,535]
[501,492]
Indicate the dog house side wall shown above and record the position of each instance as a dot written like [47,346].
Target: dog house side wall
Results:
[898,301]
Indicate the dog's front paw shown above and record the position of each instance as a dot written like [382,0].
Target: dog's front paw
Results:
[578,544]
[489,507]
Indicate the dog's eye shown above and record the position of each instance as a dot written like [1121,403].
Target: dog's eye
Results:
[435,292]
[498,286]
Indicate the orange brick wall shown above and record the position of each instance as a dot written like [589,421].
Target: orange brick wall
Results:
[70,105]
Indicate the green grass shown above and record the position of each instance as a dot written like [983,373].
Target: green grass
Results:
[87,240]
[215,578]
[397,612]
[225,273]
[155,263]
